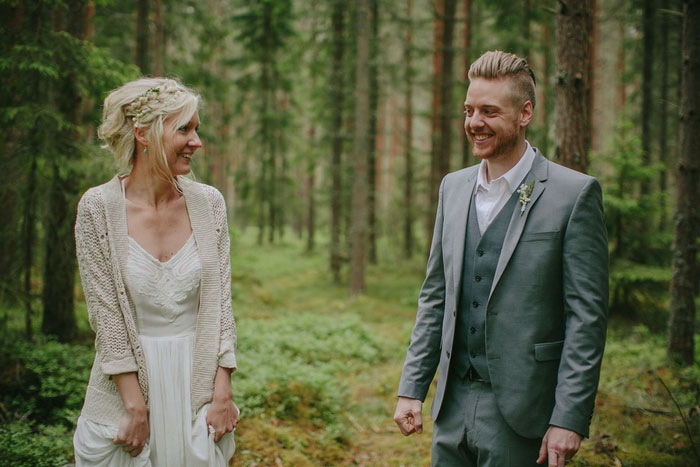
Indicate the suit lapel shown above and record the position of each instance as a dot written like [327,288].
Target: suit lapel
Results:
[458,219]
[517,220]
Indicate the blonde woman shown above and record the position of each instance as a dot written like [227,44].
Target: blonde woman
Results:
[153,252]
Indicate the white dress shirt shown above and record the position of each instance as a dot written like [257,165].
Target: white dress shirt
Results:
[491,197]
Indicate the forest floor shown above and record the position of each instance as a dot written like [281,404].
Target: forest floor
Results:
[319,370]
[636,420]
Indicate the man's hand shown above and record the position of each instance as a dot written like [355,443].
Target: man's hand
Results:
[558,446]
[408,415]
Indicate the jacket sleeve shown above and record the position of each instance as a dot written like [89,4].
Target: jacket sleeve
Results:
[102,296]
[585,291]
[227,341]
[423,353]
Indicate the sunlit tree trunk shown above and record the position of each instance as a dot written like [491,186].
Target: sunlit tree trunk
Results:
[337,132]
[681,328]
[360,147]
[441,126]
[466,45]
[572,92]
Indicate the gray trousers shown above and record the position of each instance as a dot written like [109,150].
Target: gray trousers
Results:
[470,431]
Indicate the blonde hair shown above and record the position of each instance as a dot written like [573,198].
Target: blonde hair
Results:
[145,103]
[496,64]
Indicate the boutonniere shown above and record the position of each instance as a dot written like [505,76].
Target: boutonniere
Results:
[524,192]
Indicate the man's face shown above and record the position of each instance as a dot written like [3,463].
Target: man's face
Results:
[492,121]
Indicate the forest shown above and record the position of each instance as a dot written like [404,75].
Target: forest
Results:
[328,125]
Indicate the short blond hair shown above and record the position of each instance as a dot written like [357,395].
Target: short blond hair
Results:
[145,103]
[496,64]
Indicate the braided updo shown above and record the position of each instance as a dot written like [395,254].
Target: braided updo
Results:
[145,103]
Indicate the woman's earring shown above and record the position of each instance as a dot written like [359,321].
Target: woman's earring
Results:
[145,151]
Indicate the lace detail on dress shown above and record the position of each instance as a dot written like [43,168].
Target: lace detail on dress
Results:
[168,287]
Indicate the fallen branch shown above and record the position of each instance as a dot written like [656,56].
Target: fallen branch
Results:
[687,429]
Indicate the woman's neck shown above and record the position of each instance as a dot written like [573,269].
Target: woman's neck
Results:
[145,187]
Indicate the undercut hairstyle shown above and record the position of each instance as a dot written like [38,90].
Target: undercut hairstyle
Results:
[146,104]
[496,64]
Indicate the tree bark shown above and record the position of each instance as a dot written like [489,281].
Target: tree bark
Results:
[372,134]
[59,258]
[683,287]
[647,83]
[360,140]
[572,92]
[441,127]
[337,135]
[466,46]
[663,123]
[408,137]
[142,10]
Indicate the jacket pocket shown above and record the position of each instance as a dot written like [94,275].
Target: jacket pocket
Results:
[535,236]
[548,351]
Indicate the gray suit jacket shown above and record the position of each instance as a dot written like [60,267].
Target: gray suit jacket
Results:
[547,312]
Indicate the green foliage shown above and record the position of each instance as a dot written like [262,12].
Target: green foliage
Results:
[292,366]
[44,382]
[43,446]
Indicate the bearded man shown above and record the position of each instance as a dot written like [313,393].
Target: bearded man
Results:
[513,310]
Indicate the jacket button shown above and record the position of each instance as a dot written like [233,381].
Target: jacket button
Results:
[472,330]
[480,252]
[477,278]
[475,304]
[473,354]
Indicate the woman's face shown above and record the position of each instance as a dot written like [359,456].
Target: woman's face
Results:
[180,143]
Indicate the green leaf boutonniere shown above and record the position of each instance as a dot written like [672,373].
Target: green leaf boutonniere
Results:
[524,192]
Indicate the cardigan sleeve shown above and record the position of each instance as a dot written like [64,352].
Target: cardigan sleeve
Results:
[227,341]
[102,296]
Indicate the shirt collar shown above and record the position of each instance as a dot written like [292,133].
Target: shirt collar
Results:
[514,176]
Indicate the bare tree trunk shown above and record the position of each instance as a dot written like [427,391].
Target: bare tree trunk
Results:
[408,137]
[372,134]
[443,54]
[572,92]
[59,259]
[29,228]
[159,38]
[142,10]
[360,140]
[337,132]
[466,45]
[663,123]
[647,83]
[681,327]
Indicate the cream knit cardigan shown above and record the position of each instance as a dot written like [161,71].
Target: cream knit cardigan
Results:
[102,249]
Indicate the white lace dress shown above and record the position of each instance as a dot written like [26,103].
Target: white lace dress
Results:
[166,296]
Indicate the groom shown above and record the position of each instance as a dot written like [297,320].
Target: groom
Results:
[513,309]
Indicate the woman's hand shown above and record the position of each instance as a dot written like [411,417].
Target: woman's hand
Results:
[133,431]
[222,415]
[133,426]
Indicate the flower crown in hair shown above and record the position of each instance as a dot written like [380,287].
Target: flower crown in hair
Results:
[140,108]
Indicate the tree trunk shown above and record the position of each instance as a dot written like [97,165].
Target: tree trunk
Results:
[572,92]
[158,38]
[360,141]
[663,123]
[337,132]
[466,45]
[683,288]
[408,138]
[59,259]
[443,53]
[29,234]
[142,8]
[372,134]
[647,83]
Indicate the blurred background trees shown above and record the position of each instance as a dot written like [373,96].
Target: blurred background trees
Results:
[283,132]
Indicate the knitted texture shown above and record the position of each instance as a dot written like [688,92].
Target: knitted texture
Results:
[102,250]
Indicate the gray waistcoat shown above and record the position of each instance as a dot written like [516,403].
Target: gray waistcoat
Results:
[481,255]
